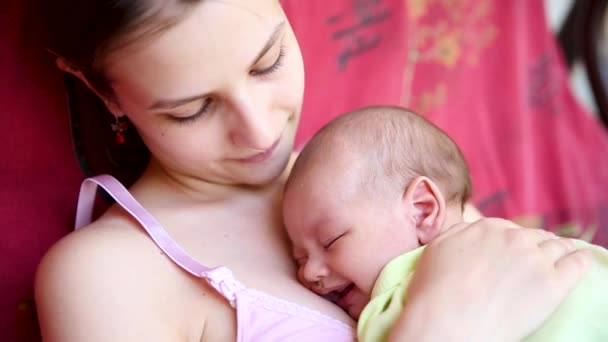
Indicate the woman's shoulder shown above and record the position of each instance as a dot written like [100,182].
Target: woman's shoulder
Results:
[105,247]
[109,279]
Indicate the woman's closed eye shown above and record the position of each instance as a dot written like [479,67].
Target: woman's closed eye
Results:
[208,102]
[203,110]
[274,67]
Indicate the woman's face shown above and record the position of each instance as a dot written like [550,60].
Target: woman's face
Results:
[217,96]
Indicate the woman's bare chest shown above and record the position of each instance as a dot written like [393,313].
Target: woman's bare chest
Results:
[256,250]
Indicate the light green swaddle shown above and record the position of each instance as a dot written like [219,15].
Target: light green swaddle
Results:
[582,317]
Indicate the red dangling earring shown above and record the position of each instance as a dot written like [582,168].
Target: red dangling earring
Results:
[119,128]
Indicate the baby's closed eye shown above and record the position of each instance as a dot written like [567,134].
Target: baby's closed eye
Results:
[329,242]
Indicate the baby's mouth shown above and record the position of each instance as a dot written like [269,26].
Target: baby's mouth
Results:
[335,296]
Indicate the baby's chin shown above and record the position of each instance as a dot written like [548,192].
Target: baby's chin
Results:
[354,302]
[349,298]
[355,310]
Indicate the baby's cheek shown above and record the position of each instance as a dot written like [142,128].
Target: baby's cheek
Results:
[300,276]
[362,271]
[350,266]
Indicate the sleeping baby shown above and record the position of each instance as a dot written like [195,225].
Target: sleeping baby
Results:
[364,197]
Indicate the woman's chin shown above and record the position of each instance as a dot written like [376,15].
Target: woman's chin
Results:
[263,175]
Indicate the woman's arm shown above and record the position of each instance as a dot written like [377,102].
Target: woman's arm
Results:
[488,280]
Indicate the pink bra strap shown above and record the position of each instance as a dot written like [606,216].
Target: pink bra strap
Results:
[84,214]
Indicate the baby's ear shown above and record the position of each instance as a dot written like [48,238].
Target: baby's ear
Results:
[429,209]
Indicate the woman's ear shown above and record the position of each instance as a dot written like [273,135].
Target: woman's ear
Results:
[112,106]
[65,66]
[428,208]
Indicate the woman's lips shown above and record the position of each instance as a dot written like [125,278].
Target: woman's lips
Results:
[262,156]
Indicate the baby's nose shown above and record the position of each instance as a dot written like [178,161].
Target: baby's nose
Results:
[312,274]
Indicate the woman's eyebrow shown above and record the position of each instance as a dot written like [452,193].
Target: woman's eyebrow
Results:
[168,104]
[270,43]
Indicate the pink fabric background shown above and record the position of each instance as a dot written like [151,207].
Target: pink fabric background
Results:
[38,171]
[489,73]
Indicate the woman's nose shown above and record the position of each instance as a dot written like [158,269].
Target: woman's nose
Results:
[254,126]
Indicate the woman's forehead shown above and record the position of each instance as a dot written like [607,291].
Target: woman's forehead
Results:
[215,40]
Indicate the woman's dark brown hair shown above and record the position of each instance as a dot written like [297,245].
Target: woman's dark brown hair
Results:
[84,33]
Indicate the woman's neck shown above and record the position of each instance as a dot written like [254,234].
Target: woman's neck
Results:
[182,187]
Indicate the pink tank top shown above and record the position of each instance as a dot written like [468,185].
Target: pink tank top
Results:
[260,316]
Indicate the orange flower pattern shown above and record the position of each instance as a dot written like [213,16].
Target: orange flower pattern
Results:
[461,34]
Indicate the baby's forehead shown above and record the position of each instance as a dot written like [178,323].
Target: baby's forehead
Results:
[330,179]
[335,159]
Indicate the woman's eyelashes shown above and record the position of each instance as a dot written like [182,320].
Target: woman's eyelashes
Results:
[205,107]
[274,67]
[199,113]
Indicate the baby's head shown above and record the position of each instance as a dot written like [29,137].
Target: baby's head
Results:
[371,185]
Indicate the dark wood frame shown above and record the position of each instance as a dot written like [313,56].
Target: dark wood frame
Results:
[580,40]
